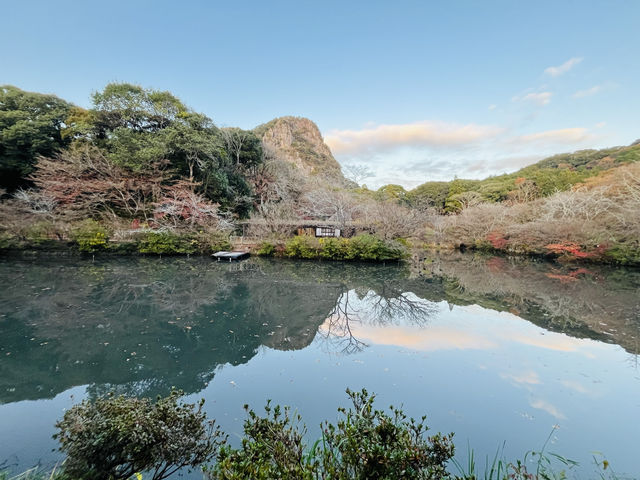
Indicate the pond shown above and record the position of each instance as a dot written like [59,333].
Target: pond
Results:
[503,352]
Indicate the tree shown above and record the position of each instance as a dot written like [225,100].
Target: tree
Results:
[243,146]
[83,181]
[357,172]
[112,438]
[30,125]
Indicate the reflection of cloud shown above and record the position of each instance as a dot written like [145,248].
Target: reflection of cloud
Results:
[564,68]
[547,407]
[430,339]
[386,137]
[573,385]
[528,378]
[558,342]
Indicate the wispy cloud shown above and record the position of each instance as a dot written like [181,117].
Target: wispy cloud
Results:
[564,68]
[540,98]
[564,136]
[421,134]
[410,154]
[587,92]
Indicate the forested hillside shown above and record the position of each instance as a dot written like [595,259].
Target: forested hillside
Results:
[140,171]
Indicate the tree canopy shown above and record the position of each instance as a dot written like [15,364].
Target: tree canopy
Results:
[30,125]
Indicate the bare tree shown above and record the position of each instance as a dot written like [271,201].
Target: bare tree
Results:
[357,172]
[235,139]
[338,206]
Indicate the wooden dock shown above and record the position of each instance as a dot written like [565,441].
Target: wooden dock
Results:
[231,256]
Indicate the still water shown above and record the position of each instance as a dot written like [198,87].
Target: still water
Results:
[500,351]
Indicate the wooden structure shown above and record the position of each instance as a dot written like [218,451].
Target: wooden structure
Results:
[231,255]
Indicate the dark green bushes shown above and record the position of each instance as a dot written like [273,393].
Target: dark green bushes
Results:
[361,247]
[365,444]
[167,243]
[114,438]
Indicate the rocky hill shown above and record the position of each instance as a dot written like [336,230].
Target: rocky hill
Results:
[299,141]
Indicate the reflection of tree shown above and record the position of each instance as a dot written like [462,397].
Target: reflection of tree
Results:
[144,325]
[388,305]
[597,302]
[337,332]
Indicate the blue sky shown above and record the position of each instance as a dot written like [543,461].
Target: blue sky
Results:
[418,91]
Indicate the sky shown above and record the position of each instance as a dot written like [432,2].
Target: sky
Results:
[415,91]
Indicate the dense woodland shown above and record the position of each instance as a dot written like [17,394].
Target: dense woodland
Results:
[139,171]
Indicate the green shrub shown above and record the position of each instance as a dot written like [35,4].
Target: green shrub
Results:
[167,243]
[302,246]
[272,447]
[90,236]
[370,247]
[334,248]
[212,241]
[624,254]
[372,444]
[366,444]
[361,247]
[113,438]
[266,249]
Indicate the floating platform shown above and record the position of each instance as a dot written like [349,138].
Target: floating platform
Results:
[231,255]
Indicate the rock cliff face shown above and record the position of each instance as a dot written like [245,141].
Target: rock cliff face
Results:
[298,141]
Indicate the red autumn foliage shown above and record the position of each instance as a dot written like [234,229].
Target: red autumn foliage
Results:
[562,278]
[497,240]
[496,264]
[568,248]
[580,271]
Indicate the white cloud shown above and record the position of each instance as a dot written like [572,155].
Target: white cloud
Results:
[421,134]
[564,136]
[564,68]
[588,92]
[540,98]
[492,107]
[411,154]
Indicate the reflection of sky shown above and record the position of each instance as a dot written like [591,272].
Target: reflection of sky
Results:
[490,377]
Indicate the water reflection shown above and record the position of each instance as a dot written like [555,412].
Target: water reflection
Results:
[143,325]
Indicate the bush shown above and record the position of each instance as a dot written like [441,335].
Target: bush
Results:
[334,248]
[167,243]
[212,241]
[266,249]
[361,247]
[370,247]
[365,444]
[113,438]
[272,447]
[90,236]
[371,444]
[302,246]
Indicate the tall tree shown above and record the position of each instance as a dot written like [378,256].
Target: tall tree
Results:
[30,125]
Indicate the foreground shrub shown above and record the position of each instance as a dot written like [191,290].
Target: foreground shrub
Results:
[272,447]
[113,438]
[366,444]
[371,444]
